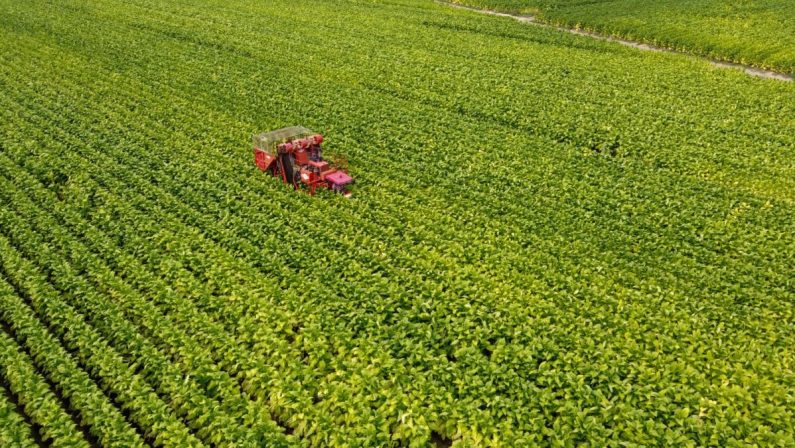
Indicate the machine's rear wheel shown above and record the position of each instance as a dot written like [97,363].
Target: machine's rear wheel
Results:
[287,165]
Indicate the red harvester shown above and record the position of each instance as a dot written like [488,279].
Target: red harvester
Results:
[295,155]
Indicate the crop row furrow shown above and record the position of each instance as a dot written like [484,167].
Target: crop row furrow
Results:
[107,367]
[150,319]
[106,422]
[201,413]
[55,426]
[17,429]
[100,274]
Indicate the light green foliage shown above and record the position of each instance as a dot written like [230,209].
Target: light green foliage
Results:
[35,397]
[759,32]
[553,241]
[14,431]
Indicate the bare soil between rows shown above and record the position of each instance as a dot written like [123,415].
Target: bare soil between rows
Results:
[532,20]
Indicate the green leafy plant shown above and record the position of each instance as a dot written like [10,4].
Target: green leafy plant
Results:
[555,241]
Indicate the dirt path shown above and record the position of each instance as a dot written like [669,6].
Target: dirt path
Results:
[753,71]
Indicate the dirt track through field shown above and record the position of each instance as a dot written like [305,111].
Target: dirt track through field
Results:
[750,70]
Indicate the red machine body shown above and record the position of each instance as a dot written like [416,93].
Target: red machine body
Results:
[295,155]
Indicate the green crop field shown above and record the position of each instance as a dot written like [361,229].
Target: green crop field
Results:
[759,33]
[553,240]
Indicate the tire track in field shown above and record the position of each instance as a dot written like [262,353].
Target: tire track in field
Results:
[532,20]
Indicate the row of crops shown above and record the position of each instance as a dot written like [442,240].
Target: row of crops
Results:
[758,33]
[549,245]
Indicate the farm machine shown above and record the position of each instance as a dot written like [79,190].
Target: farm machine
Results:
[294,154]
